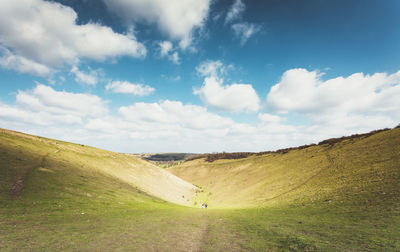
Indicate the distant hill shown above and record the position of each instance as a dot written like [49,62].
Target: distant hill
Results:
[210,157]
[361,169]
[167,157]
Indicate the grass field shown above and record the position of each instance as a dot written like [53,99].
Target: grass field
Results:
[344,197]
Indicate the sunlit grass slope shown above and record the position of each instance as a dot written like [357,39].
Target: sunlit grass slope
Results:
[359,171]
[53,168]
[79,198]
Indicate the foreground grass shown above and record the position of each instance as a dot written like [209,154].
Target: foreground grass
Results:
[162,227]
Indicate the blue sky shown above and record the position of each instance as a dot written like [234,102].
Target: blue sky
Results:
[199,75]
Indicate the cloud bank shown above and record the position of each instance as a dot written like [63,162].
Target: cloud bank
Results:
[38,36]
[327,108]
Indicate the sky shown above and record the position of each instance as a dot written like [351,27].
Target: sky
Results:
[199,76]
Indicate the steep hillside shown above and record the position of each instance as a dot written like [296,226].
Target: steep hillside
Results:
[363,170]
[31,165]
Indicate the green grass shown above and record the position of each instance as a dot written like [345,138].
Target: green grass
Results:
[79,198]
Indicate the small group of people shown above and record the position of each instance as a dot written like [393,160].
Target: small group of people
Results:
[204,205]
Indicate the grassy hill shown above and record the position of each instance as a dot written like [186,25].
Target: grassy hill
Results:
[360,170]
[57,196]
[46,163]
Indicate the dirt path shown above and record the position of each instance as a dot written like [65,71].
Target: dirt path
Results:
[196,240]
[215,234]
[19,184]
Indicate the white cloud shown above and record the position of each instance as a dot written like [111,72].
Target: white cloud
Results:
[126,87]
[166,50]
[90,78]
[44,35]
[45,108]
[84,118]
[178,19]
[45,99]
[235,11]
[168,124]
[244,31]
[18,115]
[341,105]
[165,47]
[21,64]
[232,98]
[304,91]
[212,69]
[174,113]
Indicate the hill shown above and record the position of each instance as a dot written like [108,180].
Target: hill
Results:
[166,157]
[363,169]
[45,166]
[164,160]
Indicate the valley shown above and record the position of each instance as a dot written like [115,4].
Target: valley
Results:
[56,195]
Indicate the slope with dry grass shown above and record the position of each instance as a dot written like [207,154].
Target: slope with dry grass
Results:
[362,169]
[30,160]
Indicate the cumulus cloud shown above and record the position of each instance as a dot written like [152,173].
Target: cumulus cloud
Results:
[125,87]
[45,108]
[231,98]
[22,115]
[178,19]
[235,11]
[44,98]
[175,113]
[244,31]
[304,91]
[44,35]
[168,124]
[358,102]
[21,64]
[90,78]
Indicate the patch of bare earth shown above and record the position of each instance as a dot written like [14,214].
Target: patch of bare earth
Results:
[19,184]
